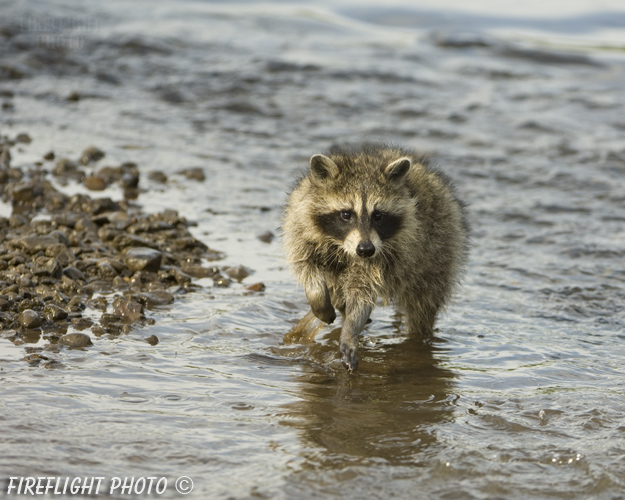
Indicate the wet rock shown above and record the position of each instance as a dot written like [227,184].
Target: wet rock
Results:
[76,305]
[24,193]
[75,340]
[34,359]
[110,267]
[49,156]
[95,183]
[142,259]
[157,176]
[23,138]
[17,220]
[179,276]
[81,323]
[256,287]
[155,298]
[91,155]
[130,181]
[130,175]
[108,319]
[198,271]
[35,243]
[5,156]
[130,311]
[108,233]
[238,273]
[61,253]
[54,313]
[74,273]
[67,168]
[266,237]
[30,319]
[194,174]
[102,205]
[152,340]
[221,281]
[44,266]
[60,237]
[85,224]
[131,240]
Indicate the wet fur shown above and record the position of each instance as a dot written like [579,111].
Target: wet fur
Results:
[420,246]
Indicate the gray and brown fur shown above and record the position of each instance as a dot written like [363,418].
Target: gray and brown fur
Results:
[375,222]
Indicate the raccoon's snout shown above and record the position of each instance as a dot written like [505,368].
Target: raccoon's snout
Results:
[365,249]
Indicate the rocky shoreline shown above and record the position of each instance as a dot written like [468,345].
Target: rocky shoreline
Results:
[64,260]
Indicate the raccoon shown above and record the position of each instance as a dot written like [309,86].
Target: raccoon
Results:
[375,222]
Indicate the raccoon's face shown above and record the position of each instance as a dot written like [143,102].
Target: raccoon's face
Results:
[360,230]
[359,219]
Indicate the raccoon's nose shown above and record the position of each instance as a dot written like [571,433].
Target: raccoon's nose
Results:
[365,249]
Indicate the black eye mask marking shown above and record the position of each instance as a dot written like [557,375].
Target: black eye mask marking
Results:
[336,224]
[385,224]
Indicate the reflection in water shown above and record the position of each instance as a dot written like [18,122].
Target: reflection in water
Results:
[387,410]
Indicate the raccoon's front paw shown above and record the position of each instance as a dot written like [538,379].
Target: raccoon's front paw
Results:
[327,315]
[350,357]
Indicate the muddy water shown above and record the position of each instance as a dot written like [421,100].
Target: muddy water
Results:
[521,394]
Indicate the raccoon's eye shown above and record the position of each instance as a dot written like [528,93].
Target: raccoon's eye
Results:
[346,215]
[378,216]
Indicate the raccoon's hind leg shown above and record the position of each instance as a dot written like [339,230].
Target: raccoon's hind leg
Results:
[305,331]
[420,316]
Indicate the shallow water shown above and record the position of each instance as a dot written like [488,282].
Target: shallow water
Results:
[521,394]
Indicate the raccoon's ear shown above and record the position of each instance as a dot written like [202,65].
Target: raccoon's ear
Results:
[398,169]
[322,168]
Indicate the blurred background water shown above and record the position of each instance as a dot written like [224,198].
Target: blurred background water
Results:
[522,104]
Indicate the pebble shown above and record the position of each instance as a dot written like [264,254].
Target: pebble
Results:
[17,220]
[266,237]
[74,273]
[60,237]
[91,155]
[142,259]
[47,267]
[61,253]
[130,311]
[198,271]
[66,168]
[95,183]
[152,340]
[106,269]
[75,340]
[256,287]
[157,176]
[30,319]
[221,281]
[238,273]
[54,313]
[194,174]
[155,298]
[130,240]
[23,138]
